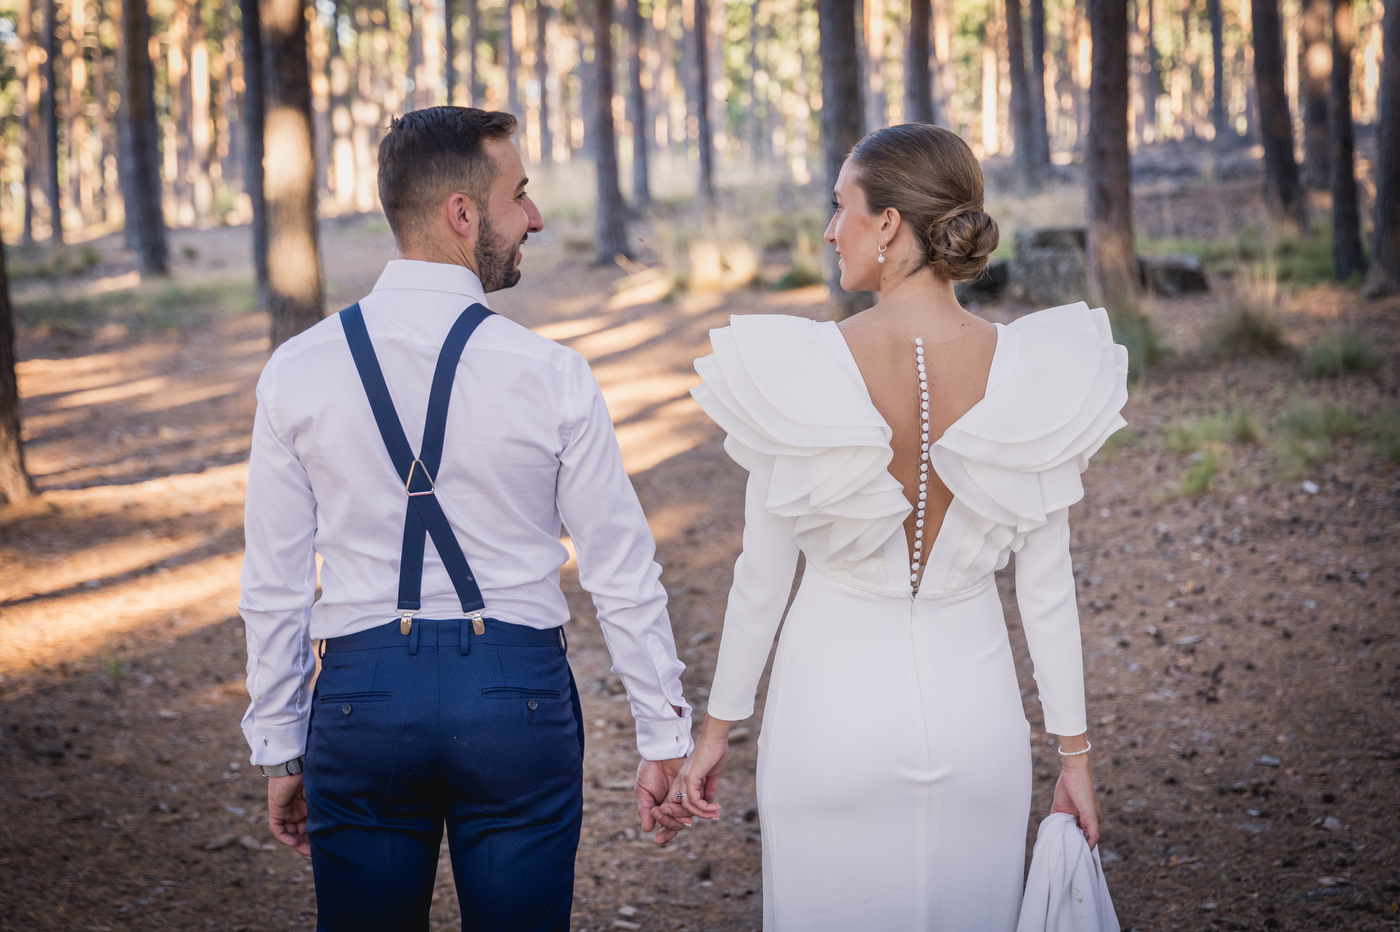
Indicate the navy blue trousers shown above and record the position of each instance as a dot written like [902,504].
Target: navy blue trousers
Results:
[480,733]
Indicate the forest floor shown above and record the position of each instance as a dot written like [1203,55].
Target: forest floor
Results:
[1235,553]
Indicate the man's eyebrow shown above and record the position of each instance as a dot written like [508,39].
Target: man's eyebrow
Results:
[523,182]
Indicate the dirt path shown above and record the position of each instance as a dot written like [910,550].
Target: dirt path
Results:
[1241,648]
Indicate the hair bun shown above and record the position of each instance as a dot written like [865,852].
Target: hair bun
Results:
[960,246]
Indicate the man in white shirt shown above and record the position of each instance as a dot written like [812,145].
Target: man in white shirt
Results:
[445,697]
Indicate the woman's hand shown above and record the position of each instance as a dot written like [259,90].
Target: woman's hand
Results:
[699,777]
[1074,794]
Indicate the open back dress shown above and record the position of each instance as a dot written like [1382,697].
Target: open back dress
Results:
[894,774]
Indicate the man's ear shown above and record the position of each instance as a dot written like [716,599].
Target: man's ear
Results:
[463,215]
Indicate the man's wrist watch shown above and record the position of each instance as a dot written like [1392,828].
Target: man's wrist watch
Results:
[290,769]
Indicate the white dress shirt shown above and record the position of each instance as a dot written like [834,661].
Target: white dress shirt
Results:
[529,445]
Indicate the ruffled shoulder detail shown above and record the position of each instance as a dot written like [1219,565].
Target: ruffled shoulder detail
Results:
[787,393]
[1017,455]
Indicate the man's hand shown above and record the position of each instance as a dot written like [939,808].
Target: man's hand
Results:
[654,779]
[286,812]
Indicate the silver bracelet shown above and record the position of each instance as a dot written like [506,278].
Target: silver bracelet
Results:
[1088,746]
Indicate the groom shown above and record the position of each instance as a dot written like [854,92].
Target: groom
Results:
[444,698]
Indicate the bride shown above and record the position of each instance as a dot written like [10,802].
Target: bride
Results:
[907,452]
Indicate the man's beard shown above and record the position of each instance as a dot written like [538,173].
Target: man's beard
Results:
[495,259]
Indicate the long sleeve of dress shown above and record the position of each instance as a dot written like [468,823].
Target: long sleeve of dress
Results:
[1050,615]
[762,582]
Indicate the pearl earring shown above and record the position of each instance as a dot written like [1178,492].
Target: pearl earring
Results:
[881,257]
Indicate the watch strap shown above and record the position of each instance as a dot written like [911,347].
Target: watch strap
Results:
[290,769]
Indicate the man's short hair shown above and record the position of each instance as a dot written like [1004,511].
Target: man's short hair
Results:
[429,154]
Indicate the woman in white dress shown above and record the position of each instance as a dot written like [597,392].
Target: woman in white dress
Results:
[907,452]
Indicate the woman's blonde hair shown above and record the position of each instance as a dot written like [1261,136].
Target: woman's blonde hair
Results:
[931,177]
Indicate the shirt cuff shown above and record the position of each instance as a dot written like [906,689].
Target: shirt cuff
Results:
[665,740]
[275,744]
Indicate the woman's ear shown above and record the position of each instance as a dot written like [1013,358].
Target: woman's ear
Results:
[890,224]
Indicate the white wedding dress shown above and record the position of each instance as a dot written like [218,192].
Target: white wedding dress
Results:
[894,775]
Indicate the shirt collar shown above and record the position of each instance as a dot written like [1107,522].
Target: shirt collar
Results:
[417,275]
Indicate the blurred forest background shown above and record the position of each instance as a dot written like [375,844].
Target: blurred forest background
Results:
[184,184]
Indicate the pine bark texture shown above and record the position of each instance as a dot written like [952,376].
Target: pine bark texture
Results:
[1282,187]
[254,114]
[706,141]
[51,121]
[1112,260]
[1217,81]
[918,85]
[295,296]
[141,139]
[637,105]
[1348,255]
[15,484]
[1313,71]
[1384,277]
[1040,130]
[612,213]
[841,113]
[1026,173]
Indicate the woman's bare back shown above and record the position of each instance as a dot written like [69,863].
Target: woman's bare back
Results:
[957,356]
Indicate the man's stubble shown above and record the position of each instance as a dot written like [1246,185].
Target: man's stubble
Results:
[495,258]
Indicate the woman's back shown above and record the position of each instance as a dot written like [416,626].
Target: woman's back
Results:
[956,357]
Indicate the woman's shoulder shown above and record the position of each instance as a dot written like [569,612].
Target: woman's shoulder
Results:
[792,404]
[1055,395]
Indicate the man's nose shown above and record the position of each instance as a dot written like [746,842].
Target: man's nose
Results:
[532,213]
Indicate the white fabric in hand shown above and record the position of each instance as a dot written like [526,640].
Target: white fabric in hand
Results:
[1065,889]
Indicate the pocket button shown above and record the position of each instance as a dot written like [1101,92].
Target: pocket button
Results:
[345,708]
[532,705]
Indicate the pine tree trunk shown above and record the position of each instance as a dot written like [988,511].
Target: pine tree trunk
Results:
[1152,85]
[449,49]
[706,142]
[15,484]
[991,84]
[1283,192]
[254,111]
[637,105]
[296,298]
[32,93]
[612,213]
[941,66]
[1026,168]
[512,61]
[51,151]
[1315,66]
[1217,57]
[475,79]
[201,136]
[1040,131]
[1112,261]
[141,167]
[110,197]
[877,108]
[542,78]
[759,96]
[81,169]
[841,114]
[918,87]
[1384,277]
[416,70]
[1348,255]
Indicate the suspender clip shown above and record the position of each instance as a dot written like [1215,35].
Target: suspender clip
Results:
[413,470]
[405,622]
[478,621]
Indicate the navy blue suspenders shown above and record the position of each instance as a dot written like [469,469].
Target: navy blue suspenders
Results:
[424,516]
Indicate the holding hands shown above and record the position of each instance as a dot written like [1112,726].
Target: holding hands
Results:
[689,786]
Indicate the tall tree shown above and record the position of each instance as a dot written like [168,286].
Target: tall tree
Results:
[542,78]
[51,152]
[1217,79]
[15,484]
[449,50]
[1027,171]
[1314,67]
[918,88]
[512,60]
[296,300]
[612,213]
[1040,131]
[701,46]
[1348,255]
[254,118]
[30,92]
[141,141]
[841,112]
[876,105]
[637,104]
[475,79]
[1112,261]
[1384,277]
[1283,191]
